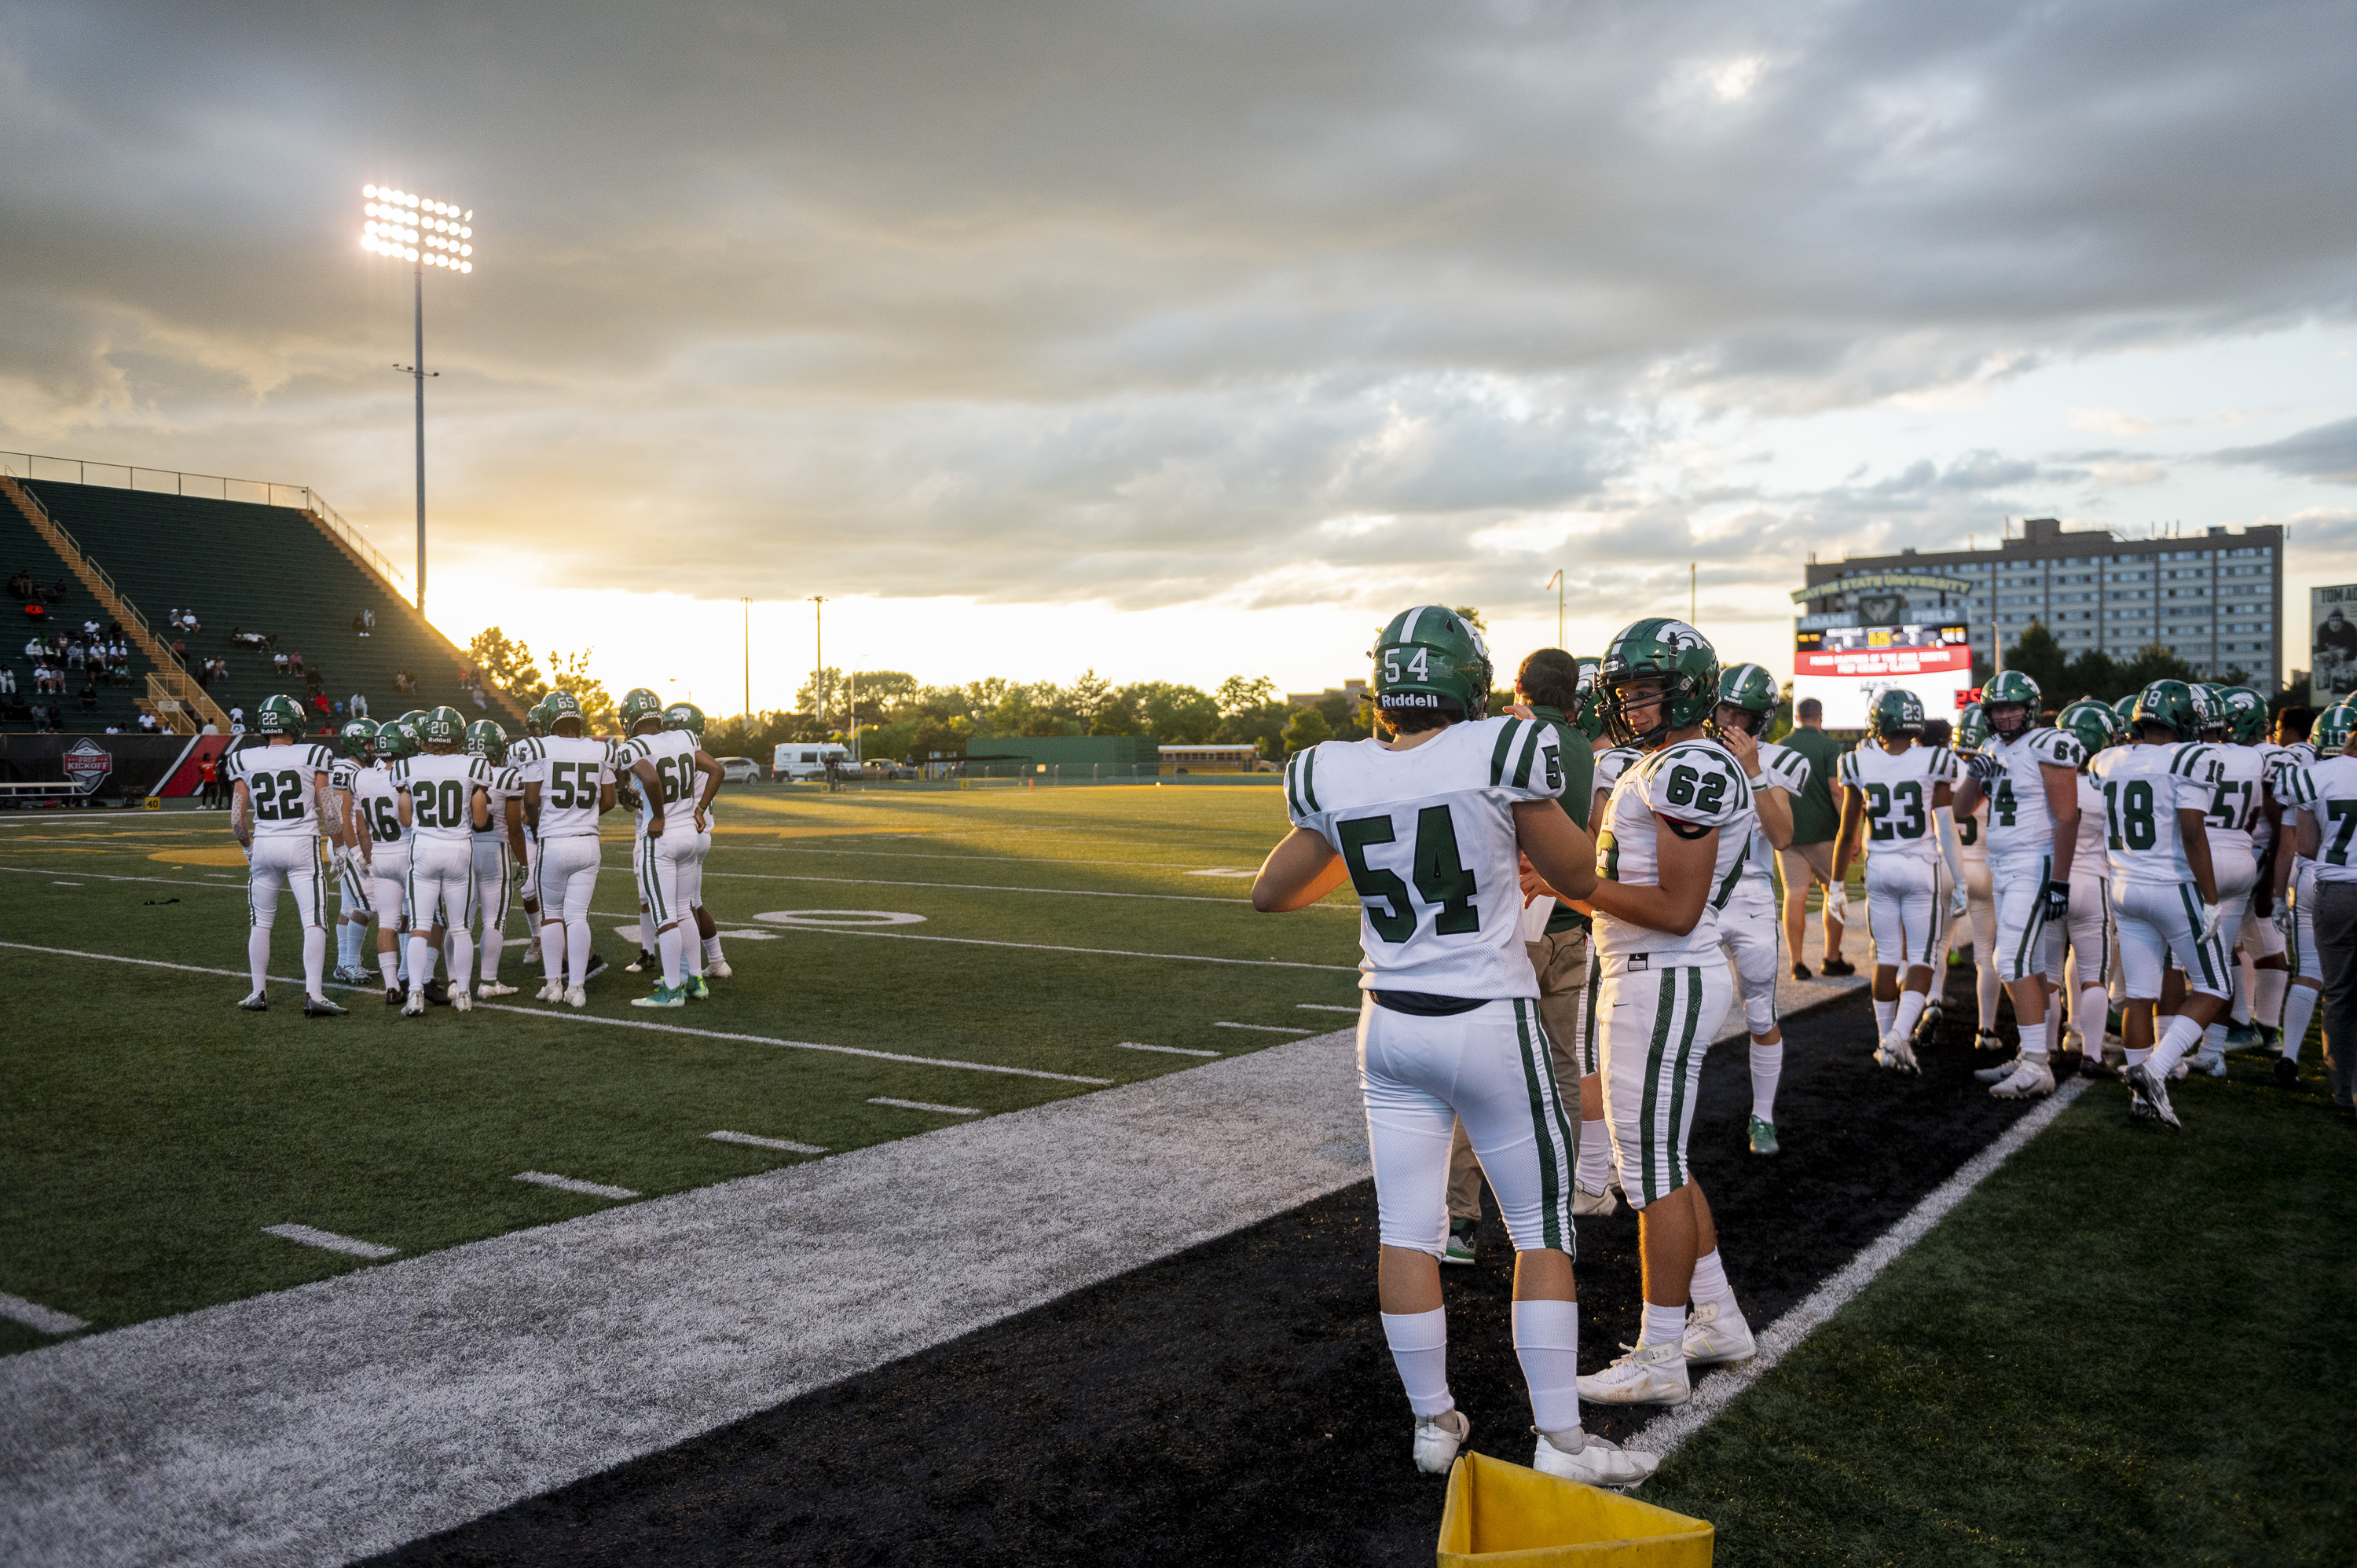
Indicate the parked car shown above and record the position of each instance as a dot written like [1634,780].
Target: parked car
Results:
[739,770]
[807,758]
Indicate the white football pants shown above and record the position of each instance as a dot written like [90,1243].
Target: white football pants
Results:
[390,867]
[284,863]
[1657,1024]
[2160,924]
[1906,909]
[441,884]
[568,881]
[1752,932]
[2023,945]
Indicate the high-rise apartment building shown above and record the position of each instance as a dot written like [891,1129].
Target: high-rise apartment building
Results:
[2213,599]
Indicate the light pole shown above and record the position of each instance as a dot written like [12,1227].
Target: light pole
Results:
[424,234]
[749,664]
[1556,583]
[818,675]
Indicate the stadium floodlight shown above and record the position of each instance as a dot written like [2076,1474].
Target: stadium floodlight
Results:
[426,233]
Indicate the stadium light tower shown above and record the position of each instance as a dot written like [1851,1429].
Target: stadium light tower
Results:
[424,234]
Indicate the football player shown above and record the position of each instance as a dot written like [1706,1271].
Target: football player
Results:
[1678,826]
[2086,979]
[498,851]
[1429,821]
[1748,923]
[2304,741]
[2235,814]
[1592,1193]
[2029,773]
[278,808]
[1891,788]
[569,784]
[445,801]
[689,718]
[357,742]
[637,704]
[2328,828]
[386,848]
[675,782]
[2264,970]
[2157,799]
[1972,856]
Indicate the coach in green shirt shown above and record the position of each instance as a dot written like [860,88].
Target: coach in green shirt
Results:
[1810,858]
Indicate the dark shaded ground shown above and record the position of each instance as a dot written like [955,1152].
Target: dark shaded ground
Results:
[1236,1403]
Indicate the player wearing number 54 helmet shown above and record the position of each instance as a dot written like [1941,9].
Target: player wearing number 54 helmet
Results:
[1427,820]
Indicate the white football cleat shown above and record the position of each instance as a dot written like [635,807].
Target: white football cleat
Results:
[461,1002]
[2000,1073]
[1712,1340]
[1586,1202]
[1597,1461]
[491,988]
[2152,1094]
[1897,1054]
[1648,1374]
[2031,1078]
[2208,1059]
[719,968]
[552,992]
[415,1007]
[1435,1445]
[576,997]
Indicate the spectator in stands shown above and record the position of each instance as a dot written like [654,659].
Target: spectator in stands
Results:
[405,683]
[22,584]
[368,622]
[180,653]
[188,622]
[479,701]
[319,700]
[17,711]
[356,705]
[56,596]
[238,639]
[237,721]
[278,663]
[316,681]
[295,662]
[35,647]
[90,631]
[56,721]
[147,722]
[7,679]
[75,655]
[90,696]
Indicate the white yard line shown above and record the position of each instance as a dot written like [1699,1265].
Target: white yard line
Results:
[788,1145]
[1266,1028]
[569,1017]
[1173,1050]
[572,1184]
[328,1239]
[104,876]
[925,1105]
[995,888]
[34,1315]
[1713,1393]
[1324,1008]
[1057,947]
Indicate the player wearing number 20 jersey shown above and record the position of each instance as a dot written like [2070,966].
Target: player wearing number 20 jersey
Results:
[441,792]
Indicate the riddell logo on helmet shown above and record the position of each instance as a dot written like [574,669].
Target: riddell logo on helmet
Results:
[1411,699]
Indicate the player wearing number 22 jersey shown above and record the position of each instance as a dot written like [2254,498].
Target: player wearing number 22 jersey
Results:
[278,800]
[1428,825]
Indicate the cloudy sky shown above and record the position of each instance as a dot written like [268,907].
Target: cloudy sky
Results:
[1186,340]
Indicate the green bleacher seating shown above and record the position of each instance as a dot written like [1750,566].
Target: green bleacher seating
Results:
[267,569]
[118,704]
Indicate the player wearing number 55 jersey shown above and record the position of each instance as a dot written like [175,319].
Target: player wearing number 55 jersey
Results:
[1891,788]
[444,799]
[2156,798]
[676,781]
[569,783]
[278,806]
[1427,823]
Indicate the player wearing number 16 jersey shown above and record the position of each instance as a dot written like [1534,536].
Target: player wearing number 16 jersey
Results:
[278,806]
[1891,788]
[1426,824]
[569,783]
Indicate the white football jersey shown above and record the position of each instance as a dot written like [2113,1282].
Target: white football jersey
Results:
[441,787]
[2088,857]
[571,771]
[2326,791]
[2143,788]
[2283,760]
[2271,761]
[1612,762]
[2019,820]
[1694,785]
[1897,791]
[284,783]
[374,802]
[1785,769]
[1428,835]
[2240,804]
[1972,834]
[507,784]
[672,752]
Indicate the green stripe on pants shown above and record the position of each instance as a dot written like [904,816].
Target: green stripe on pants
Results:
[1537,1080]
[1678,1079]
[1665,1009]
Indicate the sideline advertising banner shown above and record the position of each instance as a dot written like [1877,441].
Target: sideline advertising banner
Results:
[1843,667]
[2332,645]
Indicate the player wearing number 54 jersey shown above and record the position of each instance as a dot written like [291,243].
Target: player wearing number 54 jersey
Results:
[1891,786]
[569,783]
[278,805]
[2156,798]
[1428,823]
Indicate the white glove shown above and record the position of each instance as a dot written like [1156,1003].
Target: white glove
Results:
[1838,900]
[2209,922]
[1956,901]
[2283,918]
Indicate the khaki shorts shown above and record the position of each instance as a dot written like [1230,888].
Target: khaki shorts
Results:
[1805,862]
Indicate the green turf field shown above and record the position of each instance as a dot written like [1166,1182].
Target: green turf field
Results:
[151,1130]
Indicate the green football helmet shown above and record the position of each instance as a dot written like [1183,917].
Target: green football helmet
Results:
[1428,658]
[1588,718]
[638,703]
[487,740]
[559,705]
[278,715]
[684,716]
[396,740]
[2125,711]
[1895,712]
[535,717]
[2246,714]
[443,726]
[415,718]
[2215,716]
[2172,705]
[2008,689]
[2331,736]
[358,736]
[1971,728]
[1664,651]
[1750,688]
[2092,724]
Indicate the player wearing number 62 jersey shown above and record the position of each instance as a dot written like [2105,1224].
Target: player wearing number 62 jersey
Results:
[1891,788]
[278,806]
[1427,823]
[2157,799]
[444,795]
[569,783]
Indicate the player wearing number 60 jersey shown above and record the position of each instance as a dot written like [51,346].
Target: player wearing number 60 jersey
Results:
[676,781]
[278,806]
[569,783]
[1427,823]
[1891,788]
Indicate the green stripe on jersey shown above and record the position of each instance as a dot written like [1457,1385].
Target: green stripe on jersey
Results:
[1498,754]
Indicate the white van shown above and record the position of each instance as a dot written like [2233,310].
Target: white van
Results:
[807,759]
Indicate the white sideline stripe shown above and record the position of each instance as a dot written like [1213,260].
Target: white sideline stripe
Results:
[1058,947]
[1174,1050]
[569,1017]
[330,1239]
[1268,1028]
[925,1105]
[786,1144]
[1323,1008]
[33,1315]
[1780,1338]
[570,1183]
[993,888]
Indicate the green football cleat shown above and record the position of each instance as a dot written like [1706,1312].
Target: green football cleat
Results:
[320,1007]
[697,989]
[1459,1249]
[663,996]
[1763,1137]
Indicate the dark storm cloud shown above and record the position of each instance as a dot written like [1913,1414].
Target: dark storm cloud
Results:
[1141,302]
[2328,452]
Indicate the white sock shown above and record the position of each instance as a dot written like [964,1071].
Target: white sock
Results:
[2183,1035]
[2246,980]
[421,962]
[1883,1012]
[347,944]
[2267,996]
[576,951]
[462,960]
[2213,1038]
[2093,1015]
[1987,987]
[1595,1155]
[494,945]
[1663,1324]
[2033,1039]
[1546,1342]
[390,964]
[2138,1057]
[1910,1009]
[712,949]
[1419,1342]
[2300,1006]
[1767,1069]
[667,941]
[552,951]
[1710,1282]
[257,953]
[315,960]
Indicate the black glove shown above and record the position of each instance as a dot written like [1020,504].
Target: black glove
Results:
[1985,767]
[2058,901]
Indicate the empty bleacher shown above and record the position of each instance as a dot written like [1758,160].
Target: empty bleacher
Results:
[23,549]
[271,570]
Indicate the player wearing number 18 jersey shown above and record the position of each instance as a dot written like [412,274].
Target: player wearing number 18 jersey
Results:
[278,806]
[569,783]
[1891,788]
[1426,824]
